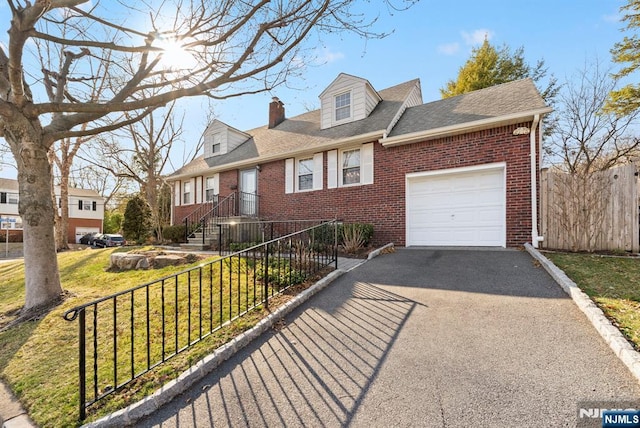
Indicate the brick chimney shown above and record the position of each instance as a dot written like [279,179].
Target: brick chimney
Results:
[276,112]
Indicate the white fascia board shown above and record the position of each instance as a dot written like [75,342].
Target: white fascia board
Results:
[444,131]
[358,139]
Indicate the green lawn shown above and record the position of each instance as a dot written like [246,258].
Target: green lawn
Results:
[38,359]
[613,283]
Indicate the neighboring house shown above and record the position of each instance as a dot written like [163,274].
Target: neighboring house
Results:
[86,210]
[461,171]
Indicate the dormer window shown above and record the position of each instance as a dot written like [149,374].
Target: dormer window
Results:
[216,146]
[343,106]
[346,100]
[220,139]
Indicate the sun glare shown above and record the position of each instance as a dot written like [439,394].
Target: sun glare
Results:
[174,56]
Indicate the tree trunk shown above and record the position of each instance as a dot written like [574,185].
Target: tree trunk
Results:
[63,231]
[42,279]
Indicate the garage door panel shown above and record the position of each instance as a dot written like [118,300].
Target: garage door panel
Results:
[466,209]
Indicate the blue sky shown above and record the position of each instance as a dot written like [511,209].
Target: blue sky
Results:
[431,42]
[434,39]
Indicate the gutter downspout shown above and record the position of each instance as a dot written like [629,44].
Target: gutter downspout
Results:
[535,239]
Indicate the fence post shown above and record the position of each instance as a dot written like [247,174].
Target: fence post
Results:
[219,239]
[202,230]
[335,243]
[186,230]
[266,276]
[82,364]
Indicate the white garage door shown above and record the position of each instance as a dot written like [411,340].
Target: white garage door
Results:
[81,231]
[457,208]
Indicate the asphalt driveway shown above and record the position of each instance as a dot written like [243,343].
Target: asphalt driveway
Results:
[419,337]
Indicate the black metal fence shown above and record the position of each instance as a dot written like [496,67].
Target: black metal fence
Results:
[127,334]
[236,236]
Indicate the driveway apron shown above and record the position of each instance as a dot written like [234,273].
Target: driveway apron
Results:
[419,337]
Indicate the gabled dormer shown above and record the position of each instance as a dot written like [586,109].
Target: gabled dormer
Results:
[220,138]
[347,99]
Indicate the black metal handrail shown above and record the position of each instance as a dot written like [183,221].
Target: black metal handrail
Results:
[202,216]
[194,216]
[127,334]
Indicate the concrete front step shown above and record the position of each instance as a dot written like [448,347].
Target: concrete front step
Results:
[196,247]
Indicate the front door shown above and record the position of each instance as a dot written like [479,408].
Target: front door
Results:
[248,192]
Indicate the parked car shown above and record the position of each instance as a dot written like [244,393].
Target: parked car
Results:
[109,240]
[88,238]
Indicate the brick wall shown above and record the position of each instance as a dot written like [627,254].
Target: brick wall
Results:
[383,203]
[228,185]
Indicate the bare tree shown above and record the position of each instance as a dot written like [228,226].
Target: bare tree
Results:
[61,155]
[587,137]
[588,140]
[176,49]
[144,160]
[63,152]
[91,175]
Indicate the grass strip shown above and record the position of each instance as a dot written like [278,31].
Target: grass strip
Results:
[38,359]
[613,283]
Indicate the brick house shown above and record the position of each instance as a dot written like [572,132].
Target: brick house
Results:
[86,210]
[461,171]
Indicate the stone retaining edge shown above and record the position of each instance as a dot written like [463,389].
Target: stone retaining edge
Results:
[611,335]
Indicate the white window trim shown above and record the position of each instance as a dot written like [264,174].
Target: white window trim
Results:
[334,109]
[291,172]
[296,177]
[185,192]
[216,185]
[341,167]
[216,140]
[334,166]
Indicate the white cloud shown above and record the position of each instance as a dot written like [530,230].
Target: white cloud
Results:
[327,56]
[449,48]
[476,37]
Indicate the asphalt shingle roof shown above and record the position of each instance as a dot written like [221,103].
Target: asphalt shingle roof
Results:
[303,132]
[501,100]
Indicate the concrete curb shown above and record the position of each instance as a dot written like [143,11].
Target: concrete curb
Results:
[131,414]
[376,253]
[611,335]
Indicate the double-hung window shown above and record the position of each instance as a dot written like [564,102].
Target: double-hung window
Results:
[216,144]
[210,189]
[351,167]
[343,106]
[186,193]
[305,174]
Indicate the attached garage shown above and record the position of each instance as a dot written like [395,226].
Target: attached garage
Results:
[81,231]
[457,207]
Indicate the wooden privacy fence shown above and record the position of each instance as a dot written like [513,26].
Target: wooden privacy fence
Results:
[599,212]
